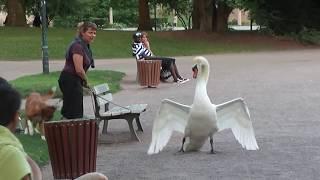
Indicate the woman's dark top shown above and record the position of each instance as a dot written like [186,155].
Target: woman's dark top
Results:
[81,48]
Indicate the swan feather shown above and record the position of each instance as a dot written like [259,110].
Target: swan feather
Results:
[172,116]
[235,115]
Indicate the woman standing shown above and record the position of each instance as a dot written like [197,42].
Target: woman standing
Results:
[73,76]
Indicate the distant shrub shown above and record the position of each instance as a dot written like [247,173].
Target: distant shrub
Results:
[100,22]
[65,22]
[233,22]
[116,26]
[310,36]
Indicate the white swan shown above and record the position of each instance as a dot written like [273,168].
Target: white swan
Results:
[202,119]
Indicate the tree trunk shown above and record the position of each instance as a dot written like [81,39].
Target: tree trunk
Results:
[16,13]
[195,15]
[144,16]
[223,13]
[214,16]
[205,12]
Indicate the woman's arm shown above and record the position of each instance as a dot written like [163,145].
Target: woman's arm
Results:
[78,65]
[36,172]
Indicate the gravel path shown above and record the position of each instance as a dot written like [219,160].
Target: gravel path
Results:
[280,88]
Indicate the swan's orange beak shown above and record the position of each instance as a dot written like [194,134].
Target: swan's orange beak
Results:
[195,71]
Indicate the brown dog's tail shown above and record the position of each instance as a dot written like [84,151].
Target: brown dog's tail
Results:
[50,94]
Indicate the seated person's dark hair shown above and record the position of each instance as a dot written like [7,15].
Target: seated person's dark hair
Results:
[3,82]
[10,102]
[136,37]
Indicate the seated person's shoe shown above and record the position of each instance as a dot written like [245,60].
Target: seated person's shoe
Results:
[182,80]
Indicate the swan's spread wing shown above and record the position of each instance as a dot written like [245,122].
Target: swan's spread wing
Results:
[235,115]
[172,116]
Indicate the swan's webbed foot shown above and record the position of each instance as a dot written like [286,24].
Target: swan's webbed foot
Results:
[211,144]
[181,149]
[213,152]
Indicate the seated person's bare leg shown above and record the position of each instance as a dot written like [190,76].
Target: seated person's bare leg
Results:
[176,71]
[173,73]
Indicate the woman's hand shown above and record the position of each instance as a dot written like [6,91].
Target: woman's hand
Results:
[85,83]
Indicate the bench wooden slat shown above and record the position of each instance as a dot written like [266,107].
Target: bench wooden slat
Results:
[102,97]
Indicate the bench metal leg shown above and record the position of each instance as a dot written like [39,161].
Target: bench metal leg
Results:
[139,124]
[133,132]
[105,127]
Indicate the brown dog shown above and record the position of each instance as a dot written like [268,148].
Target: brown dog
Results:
[38,112]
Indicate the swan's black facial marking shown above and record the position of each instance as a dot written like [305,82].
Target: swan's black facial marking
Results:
[195,71]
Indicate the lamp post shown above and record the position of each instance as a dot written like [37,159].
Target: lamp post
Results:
[45,56]
[155,16]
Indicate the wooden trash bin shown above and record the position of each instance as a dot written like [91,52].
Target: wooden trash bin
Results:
[72,147]
[149,72]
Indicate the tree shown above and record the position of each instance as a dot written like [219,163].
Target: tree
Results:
[285,16]
[212,15]
[182,8]
[205,15]
[195,15]
[144,16]
[17,9]
[125,11]
[16,13]
[223,10]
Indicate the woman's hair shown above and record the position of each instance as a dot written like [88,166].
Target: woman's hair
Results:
[84,26]
[144,33]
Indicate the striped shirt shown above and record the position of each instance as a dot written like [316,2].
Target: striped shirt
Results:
[139,51]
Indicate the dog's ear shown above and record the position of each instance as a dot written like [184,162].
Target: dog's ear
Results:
[50,94]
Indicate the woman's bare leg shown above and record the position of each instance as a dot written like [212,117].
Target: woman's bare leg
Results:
[176,71]
[173,73]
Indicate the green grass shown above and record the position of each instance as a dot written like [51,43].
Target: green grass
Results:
[42,83]
[35,147]
[25,44]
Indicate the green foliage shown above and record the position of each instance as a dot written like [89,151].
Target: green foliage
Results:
[286,16]
[125,11]
[183,9]
[66,21]
[309,36]
[117,26]
[35,147]
[54,7]
[42,83]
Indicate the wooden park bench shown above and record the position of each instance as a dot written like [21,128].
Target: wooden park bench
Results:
[103,98]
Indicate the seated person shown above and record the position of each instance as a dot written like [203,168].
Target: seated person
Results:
[14,162]
[141,52]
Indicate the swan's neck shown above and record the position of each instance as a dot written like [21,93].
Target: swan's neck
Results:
[201,94]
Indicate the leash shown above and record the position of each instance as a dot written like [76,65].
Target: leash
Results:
[92,91]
